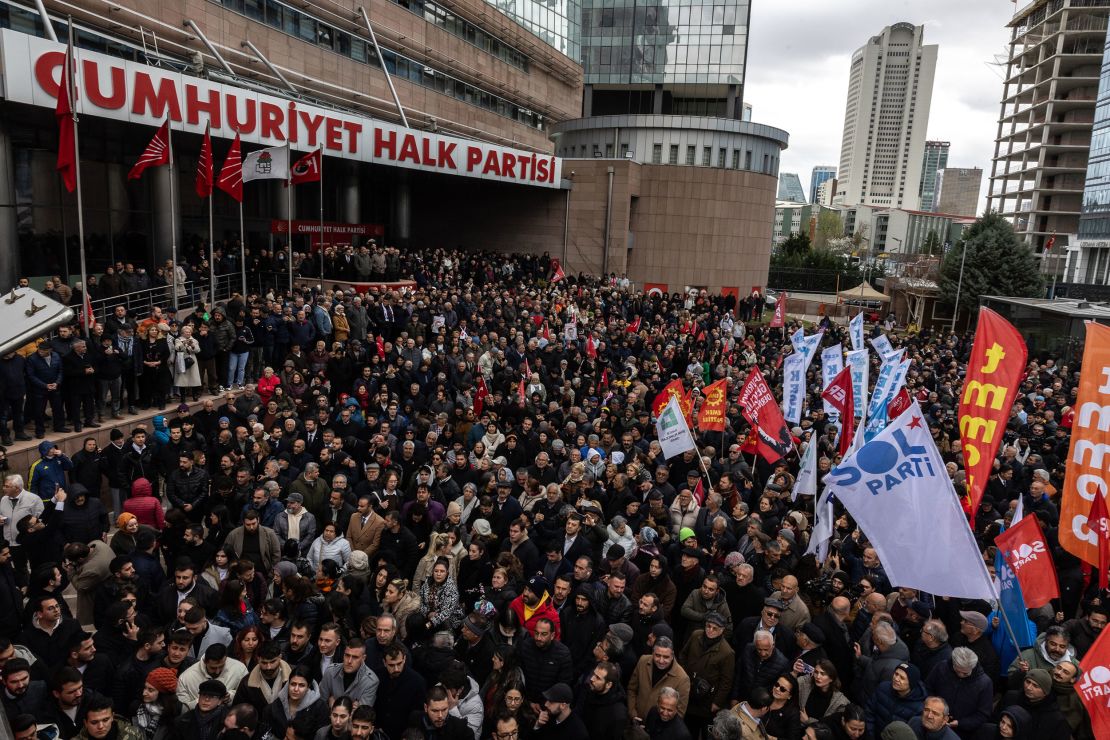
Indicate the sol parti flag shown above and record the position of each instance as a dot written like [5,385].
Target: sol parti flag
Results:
[1027,553]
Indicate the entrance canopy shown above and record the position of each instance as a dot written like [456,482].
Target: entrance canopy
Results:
[863,292]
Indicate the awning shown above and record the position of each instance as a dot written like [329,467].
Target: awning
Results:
[863,292]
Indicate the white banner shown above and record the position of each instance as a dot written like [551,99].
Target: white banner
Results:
[885,384]
[861,369]
[832,362]
[267,164]
[806,346]
[855,331]
[806,483]
[110,87]
[883,346]
[823,521]
[674,436]
[899,493]
[793,387]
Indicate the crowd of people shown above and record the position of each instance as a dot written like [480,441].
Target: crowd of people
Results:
[441,512]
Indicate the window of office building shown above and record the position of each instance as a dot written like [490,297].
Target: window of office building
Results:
[656,153]
[672,157]
[691,152]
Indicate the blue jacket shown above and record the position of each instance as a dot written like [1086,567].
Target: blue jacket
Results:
[40,375]
[302,334]
[48,473]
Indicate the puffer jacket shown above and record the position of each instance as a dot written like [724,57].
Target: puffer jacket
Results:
[885,706]
[223,333]
[543,668]
[82,523]
[187,488]
[470,707]
[146,508]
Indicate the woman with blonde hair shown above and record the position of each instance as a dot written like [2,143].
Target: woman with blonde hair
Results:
[400,603]
[439,545]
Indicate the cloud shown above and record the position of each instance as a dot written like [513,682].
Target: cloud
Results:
[798,60]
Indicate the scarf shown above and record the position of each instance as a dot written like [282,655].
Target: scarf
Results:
[529,611]
[295,525]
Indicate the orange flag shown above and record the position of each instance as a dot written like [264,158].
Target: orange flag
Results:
[711,415]
[685,401]
[1088,472]
[994,372]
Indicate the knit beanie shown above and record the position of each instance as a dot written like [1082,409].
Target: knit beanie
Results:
[1042,678]
[898,731]
[163,679]
[123,519]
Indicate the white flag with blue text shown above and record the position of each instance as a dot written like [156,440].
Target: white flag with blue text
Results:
[861,368]
[855,331]
[806,483]
[823,518]
[806,346]
[832,362]
[883,347]
[898,491]
[793,387]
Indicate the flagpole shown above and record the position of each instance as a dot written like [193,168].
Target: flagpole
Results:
[173,210]
[289,208]
[321,215]
[72,90]
[211,252]
[242,251]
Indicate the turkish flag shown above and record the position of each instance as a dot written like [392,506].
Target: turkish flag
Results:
[634,327]
[480,397]
[839,395]
[307,168]
[1098,521]
[591,347]
[1027,553]
[557,267]
[67,140]
[1092,685]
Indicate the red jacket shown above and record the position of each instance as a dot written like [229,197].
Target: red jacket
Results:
[146,508]
[543,611]
[266,387]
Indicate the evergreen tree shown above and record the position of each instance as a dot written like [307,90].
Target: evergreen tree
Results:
[998,263]
[931,245]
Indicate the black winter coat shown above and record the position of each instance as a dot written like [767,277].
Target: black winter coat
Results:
[543,668]
[605,715]
[580,633]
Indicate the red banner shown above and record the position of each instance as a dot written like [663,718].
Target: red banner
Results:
[898,404]
[655,288]
[1094,685]
[763,413]
[711,415]
[334,232]
[685,401]
[1088,473]
[557,269]
[840,396]
[994,372]
[1027,553]
[480,397]
[779,319]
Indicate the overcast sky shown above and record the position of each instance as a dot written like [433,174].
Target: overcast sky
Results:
[797,76]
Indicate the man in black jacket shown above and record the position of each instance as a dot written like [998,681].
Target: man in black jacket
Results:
[544,661]
[400,691]
[11,598]
[187,487]
[138,460]
[13,394]
[603,708]
[185,584]
[435,721]
[580,628]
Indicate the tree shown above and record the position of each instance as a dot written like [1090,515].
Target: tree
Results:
[998,263]
[830,226]
[795,245]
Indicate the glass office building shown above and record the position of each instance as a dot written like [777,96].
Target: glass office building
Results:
[555,22]
[1090,264]
[670,56]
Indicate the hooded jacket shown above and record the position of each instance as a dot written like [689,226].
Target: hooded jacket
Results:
[147,509]
[83,523]
[1037,657]
[48,474]
[885,706]
[277,717]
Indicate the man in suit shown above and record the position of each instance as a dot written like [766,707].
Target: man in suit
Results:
[364,531]
[838,645]
[338,511]
[387,319]
[80,386]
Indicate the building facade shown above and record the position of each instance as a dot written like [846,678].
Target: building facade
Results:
[819,175]
[790,187]
[1044,128]
[793,217]
[482,87]
[958,190]
[936,159]
[890,87]
[899,232]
